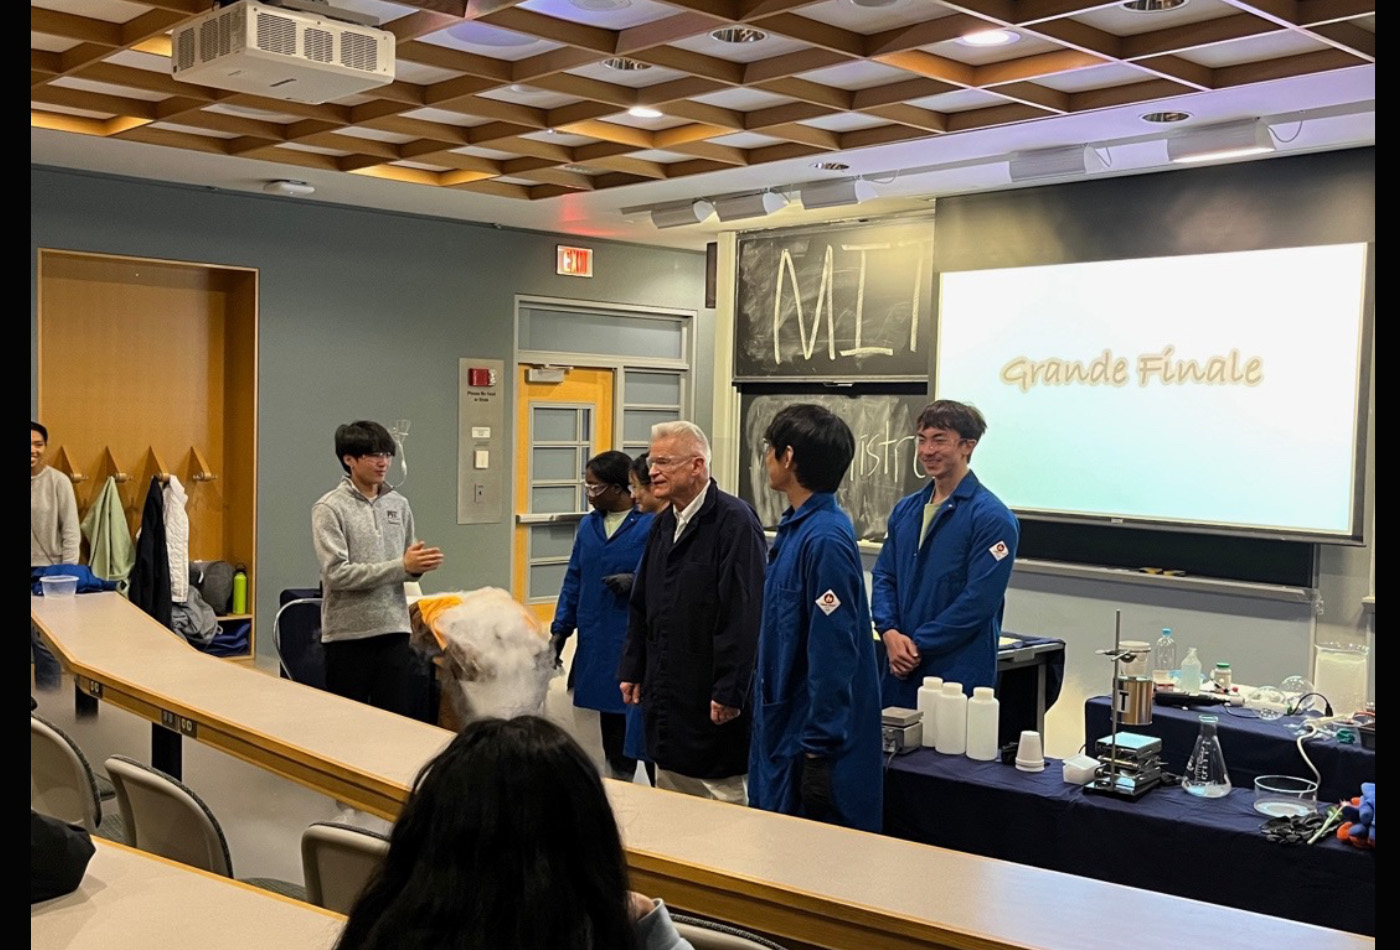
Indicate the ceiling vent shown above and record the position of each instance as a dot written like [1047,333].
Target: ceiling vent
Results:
[282,53]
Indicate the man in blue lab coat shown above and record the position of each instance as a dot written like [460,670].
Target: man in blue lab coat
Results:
[940,581]
[816,734]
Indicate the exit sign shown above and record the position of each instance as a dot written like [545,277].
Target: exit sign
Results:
[574,261]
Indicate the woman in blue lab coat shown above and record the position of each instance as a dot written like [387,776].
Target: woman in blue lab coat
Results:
[593,600]
[816,748]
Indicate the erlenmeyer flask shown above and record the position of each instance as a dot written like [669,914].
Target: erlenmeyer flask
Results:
[1205,774]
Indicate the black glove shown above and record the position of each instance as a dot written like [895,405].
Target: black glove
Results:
[620,584]
[556,643]
[815,788]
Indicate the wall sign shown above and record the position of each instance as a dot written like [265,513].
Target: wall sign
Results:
[573,261]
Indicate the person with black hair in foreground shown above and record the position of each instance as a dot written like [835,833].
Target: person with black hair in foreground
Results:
[507,842]
[816,745]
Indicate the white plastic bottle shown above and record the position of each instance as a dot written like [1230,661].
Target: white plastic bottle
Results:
[983,721]
[928,705]
[1164,658]
[952,720]
[1191,672]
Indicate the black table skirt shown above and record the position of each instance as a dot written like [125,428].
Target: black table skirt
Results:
[1167,841]
[1252,746]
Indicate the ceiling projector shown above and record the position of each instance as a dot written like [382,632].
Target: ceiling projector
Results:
[298,50]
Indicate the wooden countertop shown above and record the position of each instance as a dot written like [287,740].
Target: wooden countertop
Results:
[820,884]
[130,900]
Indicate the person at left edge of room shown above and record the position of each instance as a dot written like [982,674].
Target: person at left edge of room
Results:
[594,601]
[364,536]
[816,748]
[53,537]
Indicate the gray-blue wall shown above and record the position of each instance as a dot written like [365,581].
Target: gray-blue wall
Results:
[362,314]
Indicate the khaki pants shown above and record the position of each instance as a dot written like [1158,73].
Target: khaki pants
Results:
[734,789]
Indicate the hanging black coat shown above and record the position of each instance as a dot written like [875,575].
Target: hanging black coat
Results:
[150,578]
[693,635]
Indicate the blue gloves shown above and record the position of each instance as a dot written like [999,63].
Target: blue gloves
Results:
[1362,816]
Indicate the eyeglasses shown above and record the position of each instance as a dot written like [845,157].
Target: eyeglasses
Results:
[377,455]
[939,441]
[597,488]
[656,461]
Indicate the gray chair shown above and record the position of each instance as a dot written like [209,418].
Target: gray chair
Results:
[164,816]
[713,935]
[62,783]
[337,861]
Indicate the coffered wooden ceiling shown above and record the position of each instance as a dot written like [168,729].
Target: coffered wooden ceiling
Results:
[516,98]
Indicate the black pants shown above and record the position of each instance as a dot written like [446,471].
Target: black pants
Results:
[378,671]
[613,727]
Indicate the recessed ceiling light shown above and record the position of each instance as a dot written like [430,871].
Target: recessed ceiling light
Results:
[601,5]
[989,38]
[483,34]
[582,169]
[739,34]
[1164,117]
[644,112]
[624,64]
[875,3]
[1153,6]
[831,166]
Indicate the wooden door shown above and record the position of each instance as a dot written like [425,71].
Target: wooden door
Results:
[559,427]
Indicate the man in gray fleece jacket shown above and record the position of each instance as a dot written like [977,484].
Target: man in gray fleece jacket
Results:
[364,537]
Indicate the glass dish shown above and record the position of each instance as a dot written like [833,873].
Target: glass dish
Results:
[1284,796]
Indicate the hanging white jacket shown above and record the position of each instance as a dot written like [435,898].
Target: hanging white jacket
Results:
[177,539]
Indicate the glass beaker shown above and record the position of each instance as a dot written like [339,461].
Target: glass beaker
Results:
[1205,774]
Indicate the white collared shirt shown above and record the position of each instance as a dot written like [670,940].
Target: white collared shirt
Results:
[683,516]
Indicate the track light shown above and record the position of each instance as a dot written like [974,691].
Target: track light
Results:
[834,194]
[1044,163]
[1227,140]
[738,207]
[681,214]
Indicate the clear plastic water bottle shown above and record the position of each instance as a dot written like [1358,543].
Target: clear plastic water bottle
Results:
[1164,658]
[1205,774]
[1191,672]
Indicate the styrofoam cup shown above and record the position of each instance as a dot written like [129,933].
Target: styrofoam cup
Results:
[1030,756]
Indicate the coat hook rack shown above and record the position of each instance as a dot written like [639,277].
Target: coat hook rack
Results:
[157,467]
[109,464]
[64,463]
[199,467]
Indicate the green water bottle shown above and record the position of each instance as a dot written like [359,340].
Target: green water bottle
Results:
[240,589]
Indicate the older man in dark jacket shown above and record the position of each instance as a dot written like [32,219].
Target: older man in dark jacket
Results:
[695,612]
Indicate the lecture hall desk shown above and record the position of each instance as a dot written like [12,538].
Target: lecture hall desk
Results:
[821,885]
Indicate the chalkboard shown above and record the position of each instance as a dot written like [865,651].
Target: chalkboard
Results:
[884,470]
[840,303]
